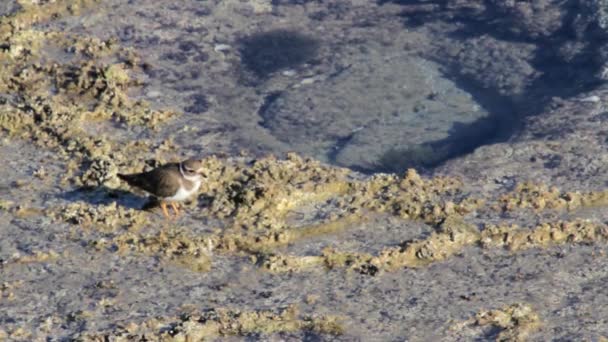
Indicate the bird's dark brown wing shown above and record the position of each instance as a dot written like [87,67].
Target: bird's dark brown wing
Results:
[160,182]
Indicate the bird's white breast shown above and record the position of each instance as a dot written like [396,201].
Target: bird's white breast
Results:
[182,194]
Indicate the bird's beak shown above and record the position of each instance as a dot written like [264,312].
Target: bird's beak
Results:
[201,171]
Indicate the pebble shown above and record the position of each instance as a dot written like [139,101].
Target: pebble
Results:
[309,80]
[221,47]
[593,98]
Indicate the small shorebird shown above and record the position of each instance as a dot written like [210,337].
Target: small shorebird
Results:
[170,183]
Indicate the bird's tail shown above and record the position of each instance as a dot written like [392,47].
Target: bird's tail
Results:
[123,176]
[130,179]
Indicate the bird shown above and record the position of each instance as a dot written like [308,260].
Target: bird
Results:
[170,183]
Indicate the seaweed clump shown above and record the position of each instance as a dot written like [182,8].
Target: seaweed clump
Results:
[540,197]
[108,217]
[220,322]
[258,195]
[515,322]
[172,246]
[52,101]
[411,197]
[544,235]
[452,237]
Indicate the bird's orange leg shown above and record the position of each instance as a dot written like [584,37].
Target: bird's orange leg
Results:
[175,208]
[165,212]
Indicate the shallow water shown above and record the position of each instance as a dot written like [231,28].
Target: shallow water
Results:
[350,98]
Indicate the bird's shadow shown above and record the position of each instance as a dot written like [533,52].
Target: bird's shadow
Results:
[103,195]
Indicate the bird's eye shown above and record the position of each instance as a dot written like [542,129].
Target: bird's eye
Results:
[188,170]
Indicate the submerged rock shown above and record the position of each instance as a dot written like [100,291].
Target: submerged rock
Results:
[375,108]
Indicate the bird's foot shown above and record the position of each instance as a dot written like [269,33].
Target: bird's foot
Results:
[163,205]
[175,207]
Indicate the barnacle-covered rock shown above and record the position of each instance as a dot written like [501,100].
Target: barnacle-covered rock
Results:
[516,321]
[541,196]
[222,322]
[108,217]
[102,171]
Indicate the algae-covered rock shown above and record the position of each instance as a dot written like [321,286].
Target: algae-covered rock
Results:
[540,197]
[516,321]
[101,172]
[545,234]
[102,217]
[221,322]
[192,252]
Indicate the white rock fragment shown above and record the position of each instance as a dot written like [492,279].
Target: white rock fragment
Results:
[153,93]
[308,80]
[261,6]
[593,98]
[15,50]
[221,47]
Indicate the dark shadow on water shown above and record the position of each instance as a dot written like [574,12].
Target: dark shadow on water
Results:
[560,76]
[463,138]
[269,99]
[103,196]
[266,52]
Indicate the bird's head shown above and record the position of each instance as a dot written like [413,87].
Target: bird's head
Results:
[192,169]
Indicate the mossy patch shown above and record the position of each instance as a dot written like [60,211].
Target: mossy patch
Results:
[108,218]
[544,235]
[515,322]
[173,246]
[529,195]
[7,291]
[57,96]
[221,322]
[31,257]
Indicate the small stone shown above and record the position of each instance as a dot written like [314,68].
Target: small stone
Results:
[309,80]
[593,99]
[221,47]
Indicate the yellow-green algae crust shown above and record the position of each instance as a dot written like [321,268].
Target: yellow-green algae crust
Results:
[448,240]
[58,97]
[6,290]
[173,246]
[195,252]
[219,322]
[108,217]
[31,257]
[253,199]
[529,195]
[516,321]
[544,234]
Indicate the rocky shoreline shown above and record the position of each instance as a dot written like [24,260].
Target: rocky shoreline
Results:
[500,234]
